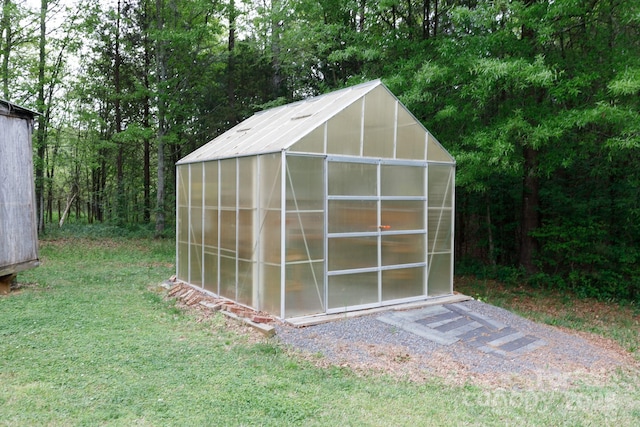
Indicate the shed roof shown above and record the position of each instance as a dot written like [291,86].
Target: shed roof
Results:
[279,128]
[10,109]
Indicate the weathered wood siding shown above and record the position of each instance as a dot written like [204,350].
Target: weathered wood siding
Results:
[18,228]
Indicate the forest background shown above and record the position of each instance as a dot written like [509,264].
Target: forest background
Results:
[538,101]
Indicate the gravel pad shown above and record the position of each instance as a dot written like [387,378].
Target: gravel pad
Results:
[467,341]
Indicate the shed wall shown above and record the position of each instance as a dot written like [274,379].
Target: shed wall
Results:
[18,231]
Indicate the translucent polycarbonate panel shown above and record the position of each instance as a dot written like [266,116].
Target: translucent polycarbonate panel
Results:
[195,225]
[401,180]
[270,182]
[247,244]
[183,224]
[379,124]
[270,238]
[196,184]
[402,215]
[312,143]
[276,129]
[228,277]
[435,151]
[245,282]
[402,283]
[347,253]
[344,131]
[269,294]
[195,265]
[403,249]
[440,280]
[304,289]
[411,137]
[210,279]
[440,228]
[247,181]
[440,186]
[228,183]
[349,216]
[305,183]
[183,185]
[211,227]
[347,290]
[305,236]
[211,184]
[352,179]
[228,230]
[183,262]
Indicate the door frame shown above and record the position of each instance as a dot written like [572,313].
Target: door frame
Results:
[379,233]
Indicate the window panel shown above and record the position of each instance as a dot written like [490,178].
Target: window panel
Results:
[353,289]
[228,230]
[440,227]
[183,185]
[312,143]
[196,182]
[436,152]
[270,237]
[245,282]
[343,131]
[305,183]
[247,196]
[228,277]
[353,179]
[210,279]
[347,253]
[247,246]
[402,283]
[195,272]
[411,137]
[440,186]
[271,185]
[402,215]
[403,249]
[304,289]
[196,224]
[348,216]
[379,124]
[211,227]
[305,236]
[228,183]
[183,262]
[439,282]
[269,296]
[400,180]
[211,184]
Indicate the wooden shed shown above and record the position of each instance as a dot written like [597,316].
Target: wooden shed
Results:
[336,203]
[18,226]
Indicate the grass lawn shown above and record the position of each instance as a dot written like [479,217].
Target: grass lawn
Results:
[88,341]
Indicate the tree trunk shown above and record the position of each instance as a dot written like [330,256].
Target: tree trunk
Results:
[146,119]
[530,214]
[120,212]
[231,88]
[161,61]
[42,125]
[5,28]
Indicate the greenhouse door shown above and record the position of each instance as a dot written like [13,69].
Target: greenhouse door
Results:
[376,233]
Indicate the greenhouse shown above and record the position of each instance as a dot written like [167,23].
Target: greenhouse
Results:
[337,203]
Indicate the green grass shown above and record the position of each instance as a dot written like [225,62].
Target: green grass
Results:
[90,341]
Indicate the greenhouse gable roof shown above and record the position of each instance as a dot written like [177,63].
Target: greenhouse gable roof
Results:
[279,128]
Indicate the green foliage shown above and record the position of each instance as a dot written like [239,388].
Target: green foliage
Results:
[537,101]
